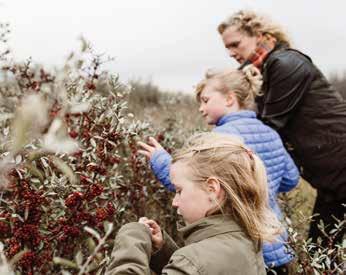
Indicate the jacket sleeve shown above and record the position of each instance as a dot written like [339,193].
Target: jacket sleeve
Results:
[171,261]
[160,164]
[131,252]
[161,258]
[291,177]
[288,78]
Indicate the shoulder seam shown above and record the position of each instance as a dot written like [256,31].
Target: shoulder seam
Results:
[199,268]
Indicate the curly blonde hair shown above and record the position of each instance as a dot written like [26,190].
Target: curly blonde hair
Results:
[245,84]
[254,24]
[241,174]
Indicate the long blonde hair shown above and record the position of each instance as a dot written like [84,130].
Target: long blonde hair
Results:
[253,24]
[245,84]
[241,174]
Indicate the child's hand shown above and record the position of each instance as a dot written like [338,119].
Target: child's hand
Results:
[156,234]
[148,149]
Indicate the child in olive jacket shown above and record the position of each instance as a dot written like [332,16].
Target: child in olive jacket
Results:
[226,215]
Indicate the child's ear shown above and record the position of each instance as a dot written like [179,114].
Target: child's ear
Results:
[230,99]
[214,187]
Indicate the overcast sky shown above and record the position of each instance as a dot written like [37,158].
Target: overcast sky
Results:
[171,42]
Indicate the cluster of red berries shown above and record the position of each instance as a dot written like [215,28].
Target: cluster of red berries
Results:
[69,231]
[80,217]
[32,197]
[92,167]
[85,180]
[101,215]
[74,200]
[27,78]
[28,261]
[13,247]
[5,227]
[94,191]
[28,233]
[73,134]
[53,112]
[105,213]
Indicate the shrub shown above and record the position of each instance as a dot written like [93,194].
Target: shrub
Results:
[70,168]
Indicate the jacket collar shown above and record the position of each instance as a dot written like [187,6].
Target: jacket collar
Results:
[235,116]
[278,48]
[208,227]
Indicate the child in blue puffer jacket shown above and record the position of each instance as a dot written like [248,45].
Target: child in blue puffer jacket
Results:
[226,101]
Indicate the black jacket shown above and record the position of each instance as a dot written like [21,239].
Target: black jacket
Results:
[310,116]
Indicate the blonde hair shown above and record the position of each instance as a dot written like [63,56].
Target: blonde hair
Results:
[254,24]
[242,176]
[245,84]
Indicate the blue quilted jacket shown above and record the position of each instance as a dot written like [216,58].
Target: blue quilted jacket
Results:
[282,173]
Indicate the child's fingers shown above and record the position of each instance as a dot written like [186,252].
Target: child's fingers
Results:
[155,143]
[152,226]
[151,223]
[145,146]
[144,221]
[156,235]
[156,228]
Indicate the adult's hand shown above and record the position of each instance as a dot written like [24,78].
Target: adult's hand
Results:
[148,149]
[155,230]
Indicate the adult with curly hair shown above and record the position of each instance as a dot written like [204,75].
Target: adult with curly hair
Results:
[299,102]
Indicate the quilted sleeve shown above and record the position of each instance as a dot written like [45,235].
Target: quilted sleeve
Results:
[160,164]
[291,177]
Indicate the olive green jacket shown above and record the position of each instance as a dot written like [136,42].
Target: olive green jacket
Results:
[215,245]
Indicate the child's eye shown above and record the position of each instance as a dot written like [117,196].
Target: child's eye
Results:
[204,100]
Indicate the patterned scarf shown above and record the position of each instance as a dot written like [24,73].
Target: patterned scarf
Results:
[261,52]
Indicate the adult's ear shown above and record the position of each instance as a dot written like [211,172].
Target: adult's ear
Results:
[259,38]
